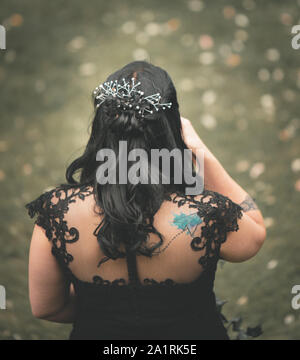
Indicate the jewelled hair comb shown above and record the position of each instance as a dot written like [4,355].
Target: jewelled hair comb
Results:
[131,98]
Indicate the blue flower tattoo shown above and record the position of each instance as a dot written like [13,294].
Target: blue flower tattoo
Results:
[187,222]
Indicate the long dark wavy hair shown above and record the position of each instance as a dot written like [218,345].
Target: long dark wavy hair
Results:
[128,210]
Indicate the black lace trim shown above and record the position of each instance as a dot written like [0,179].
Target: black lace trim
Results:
[98,280]
[50,208]
[167,282]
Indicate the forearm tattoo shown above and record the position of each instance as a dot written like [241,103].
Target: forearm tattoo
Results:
[248,204]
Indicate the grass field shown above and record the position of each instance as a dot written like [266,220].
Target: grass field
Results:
[238,80]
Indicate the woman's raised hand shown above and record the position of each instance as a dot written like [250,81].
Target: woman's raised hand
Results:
[191,138]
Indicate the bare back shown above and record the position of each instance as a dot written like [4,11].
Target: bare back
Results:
[192,228]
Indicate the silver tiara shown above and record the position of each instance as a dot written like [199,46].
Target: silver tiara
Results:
[132,98]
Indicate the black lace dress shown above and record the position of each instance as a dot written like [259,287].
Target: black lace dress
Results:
[148,309]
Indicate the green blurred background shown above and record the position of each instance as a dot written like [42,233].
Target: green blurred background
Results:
[238,80]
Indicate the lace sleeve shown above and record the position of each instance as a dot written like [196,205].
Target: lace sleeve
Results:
[228,212]
[219,215]
[41,207]
[50,208]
